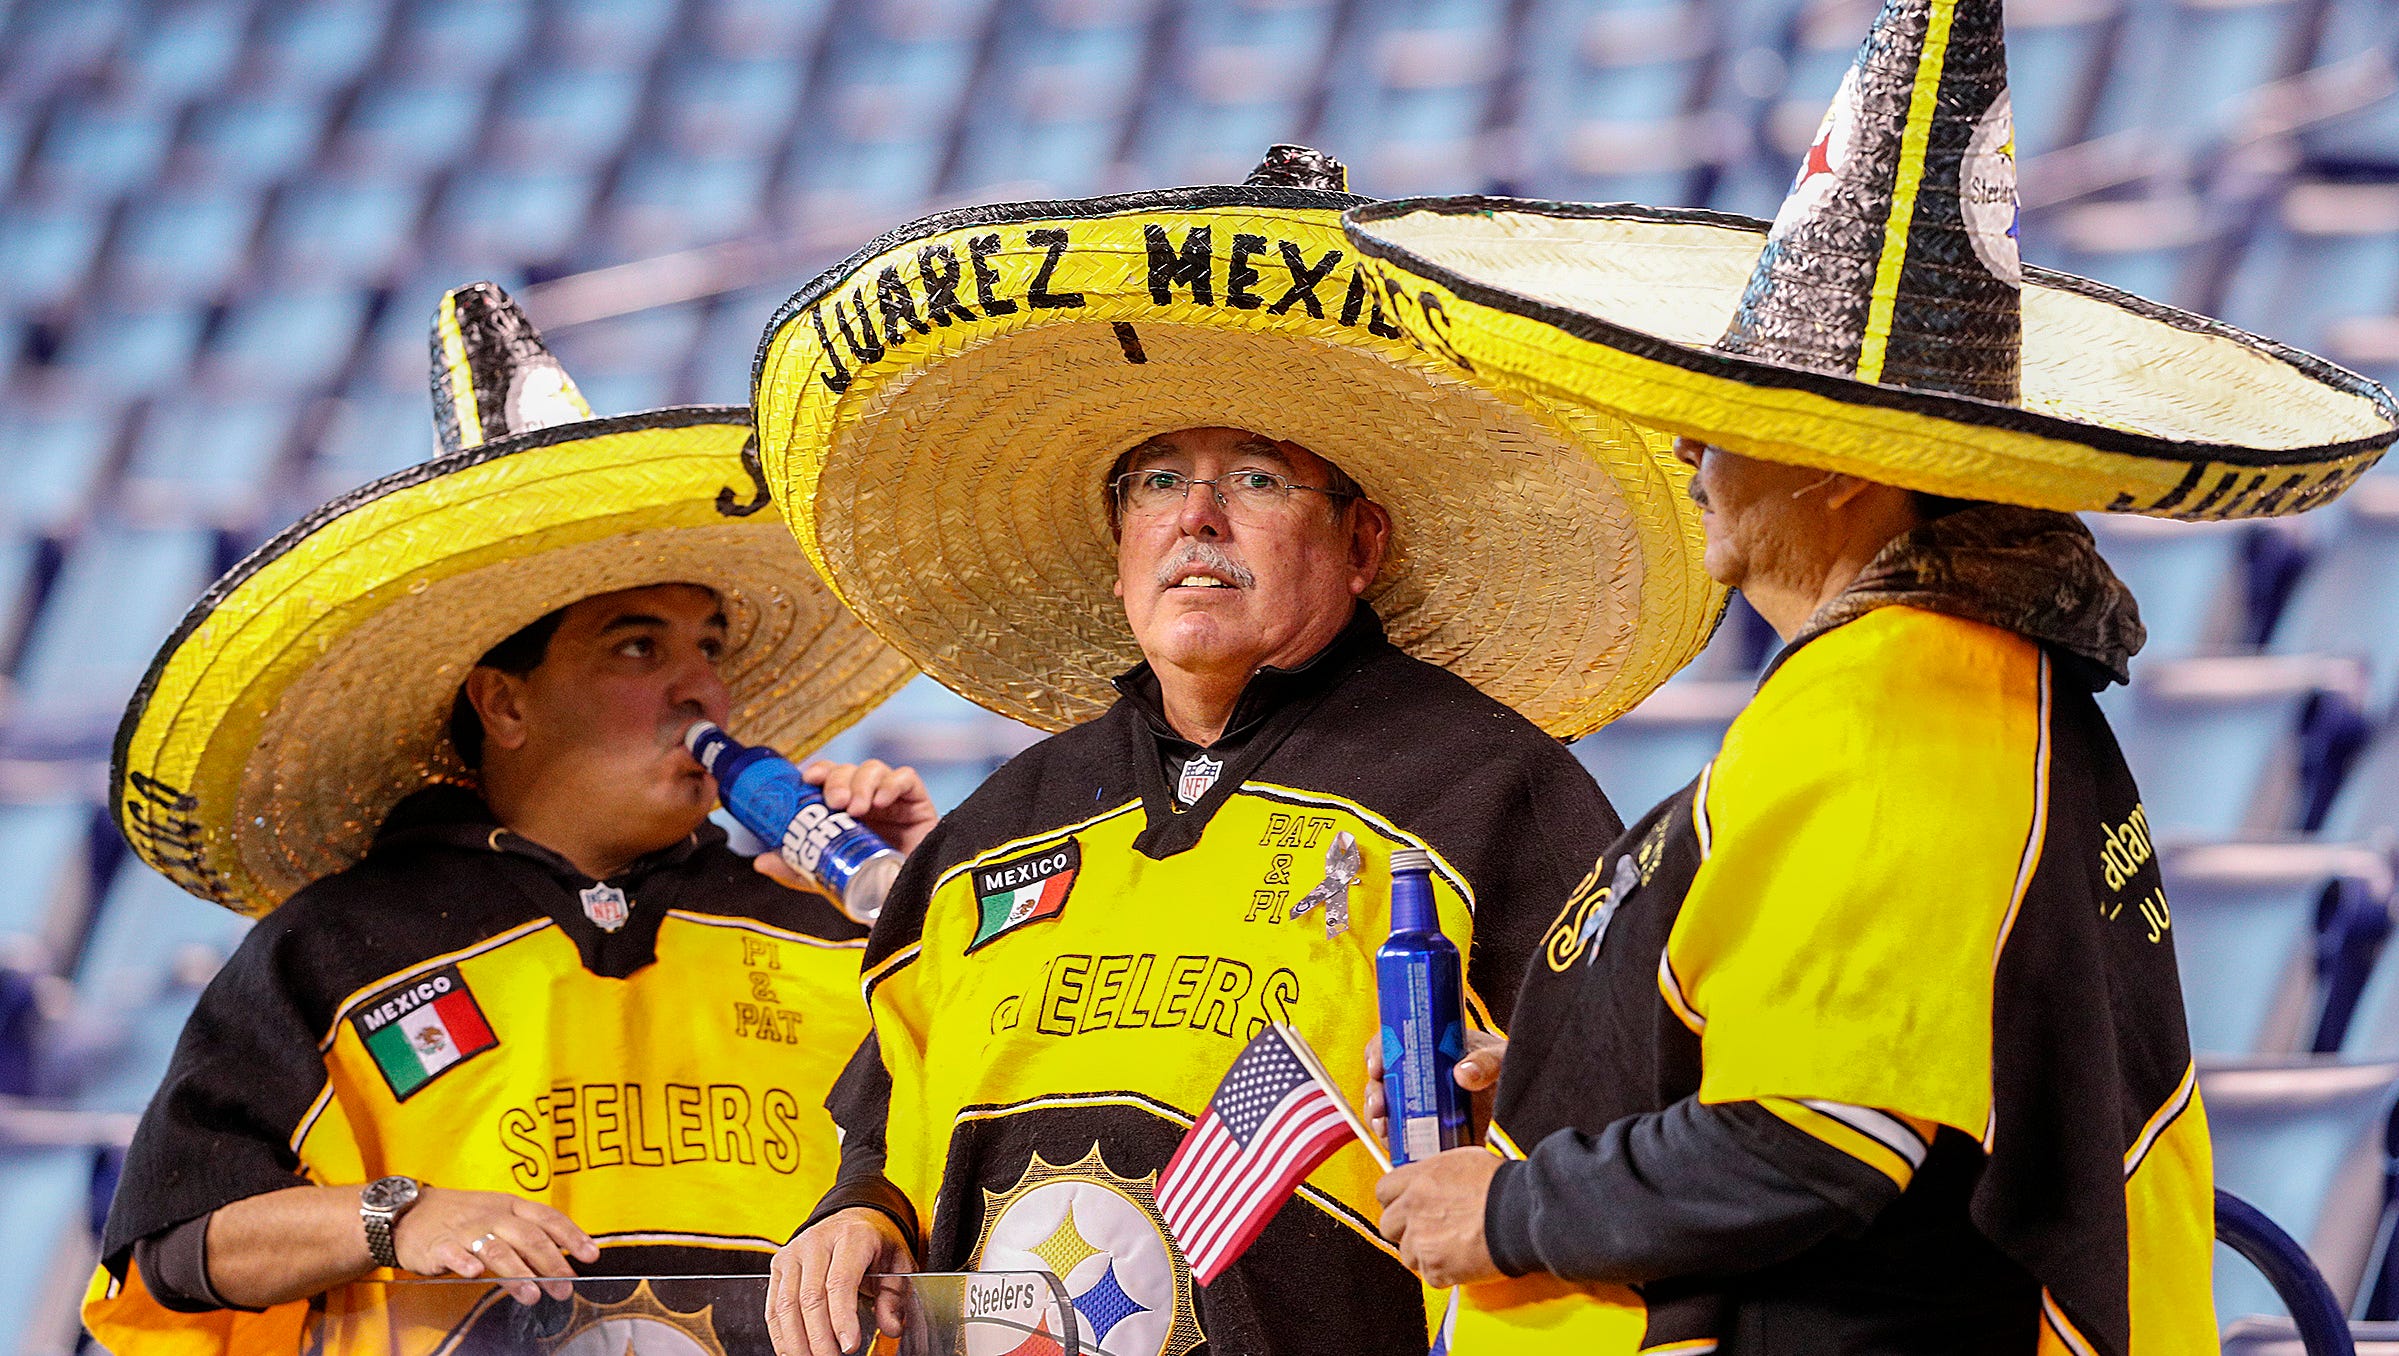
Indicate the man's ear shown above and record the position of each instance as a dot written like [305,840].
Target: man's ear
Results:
[1841,491]
[499,701]
[1369,538]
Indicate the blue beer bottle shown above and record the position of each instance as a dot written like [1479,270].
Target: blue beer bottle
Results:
[1422,996]
[762,790]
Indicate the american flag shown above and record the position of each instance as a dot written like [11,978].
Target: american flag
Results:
[1273,1119]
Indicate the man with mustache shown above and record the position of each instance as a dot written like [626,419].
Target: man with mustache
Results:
[513,1007]
[1240,561]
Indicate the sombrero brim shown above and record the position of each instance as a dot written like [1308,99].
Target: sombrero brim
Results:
[936,417]
[310,689]
[2127,405]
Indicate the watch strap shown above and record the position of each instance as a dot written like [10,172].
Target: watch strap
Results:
[379,1237]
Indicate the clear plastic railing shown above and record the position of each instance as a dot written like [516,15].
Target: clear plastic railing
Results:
[966,1313]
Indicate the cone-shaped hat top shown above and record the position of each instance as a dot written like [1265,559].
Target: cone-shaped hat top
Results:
[1894,258]
[492,375]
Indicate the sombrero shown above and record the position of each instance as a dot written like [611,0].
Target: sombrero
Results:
[936,415]
[310,689]
[1883,325]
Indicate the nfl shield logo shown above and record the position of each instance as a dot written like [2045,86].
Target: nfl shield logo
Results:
[1198,775]
[606,907]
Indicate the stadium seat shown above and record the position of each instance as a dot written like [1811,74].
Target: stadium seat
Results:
[133,349]
[118,595]
[742,28]
[950,741]
[1237,83]
[207,461]
[289,340]
[2329,254]
[2183,70]
[185,50]
[2300,1138]
[180,245]
[57,460]
[730,105]
[369,436]
[20,588]
[2246,927]
[413,126]
[621,33]
[528,216]
[151,951]
[2145,246]
[95,153]
[47,1250]
[2277,1337]
[314,49]
[1614,113]
[54,44]
[49,249]
[1649,752]
[1062,86]
[342,229]
[563,117]
[2054,48]
[46,855]
[664,203]
[2186,577]
[253,141]
[2345,602]
[463,42]
[2214,742]
[2366,809]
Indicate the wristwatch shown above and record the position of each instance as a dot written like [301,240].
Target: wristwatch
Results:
[380,1205]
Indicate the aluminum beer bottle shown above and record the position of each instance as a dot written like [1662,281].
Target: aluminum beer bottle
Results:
[1422,996]
[762,790]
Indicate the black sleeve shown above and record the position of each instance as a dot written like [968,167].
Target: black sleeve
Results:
[243,1076]
[860,1102]
[174,1266]
[1693,1190]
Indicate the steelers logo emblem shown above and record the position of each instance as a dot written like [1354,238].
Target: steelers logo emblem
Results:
[1100,1235]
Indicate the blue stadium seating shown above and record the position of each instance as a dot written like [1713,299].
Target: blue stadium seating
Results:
[119,593]
[46,853]
[2344,603]
[343,230]
[369,437]
[315,49]
[44,1194]
[254,141]
[2301,1139]
[207,461]
[2367,807]
[139,348]
[1648,753]
[417,125]
[50,248]
[181,245]
[151,951]
[2185,576]
[2245,930]
[57,459]
[2213,742]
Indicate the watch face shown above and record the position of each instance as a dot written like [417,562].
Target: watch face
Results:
[389,1193]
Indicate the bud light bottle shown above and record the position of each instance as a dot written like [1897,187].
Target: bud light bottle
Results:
[849,862]
[1424,1018]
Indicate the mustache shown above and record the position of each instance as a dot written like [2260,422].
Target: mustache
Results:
[676,721]
[1194,552]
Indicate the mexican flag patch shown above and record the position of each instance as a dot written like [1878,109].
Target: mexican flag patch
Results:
[420,1030]
[1024,889]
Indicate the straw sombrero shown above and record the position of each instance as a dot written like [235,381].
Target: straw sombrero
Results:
[936,416]
[1883,325]
[310,689]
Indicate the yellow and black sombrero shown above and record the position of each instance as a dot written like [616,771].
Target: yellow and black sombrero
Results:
[1882,325]
[936,416]
[310,689]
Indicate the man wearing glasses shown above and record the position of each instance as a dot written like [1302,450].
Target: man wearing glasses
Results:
[1271,725]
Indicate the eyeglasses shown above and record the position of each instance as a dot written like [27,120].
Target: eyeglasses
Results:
[1241,494]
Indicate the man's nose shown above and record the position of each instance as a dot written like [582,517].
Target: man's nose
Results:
[1202,515]
[696,681]
[1688,451]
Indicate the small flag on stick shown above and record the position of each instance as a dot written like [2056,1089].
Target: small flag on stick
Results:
[1275,1117]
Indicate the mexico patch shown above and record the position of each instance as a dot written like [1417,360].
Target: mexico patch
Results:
[420,1030]
[1024,889]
